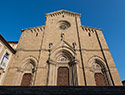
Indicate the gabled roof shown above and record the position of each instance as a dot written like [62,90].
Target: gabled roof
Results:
[6,43]
[61,12]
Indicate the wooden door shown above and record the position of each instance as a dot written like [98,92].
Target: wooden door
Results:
[63,76]
[99,79]
[26,80]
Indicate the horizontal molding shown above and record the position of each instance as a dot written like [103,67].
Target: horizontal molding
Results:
[48,50]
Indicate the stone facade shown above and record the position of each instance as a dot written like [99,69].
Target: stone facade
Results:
[62,45]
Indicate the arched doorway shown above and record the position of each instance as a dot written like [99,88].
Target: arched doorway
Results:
[26,80]
[62,69]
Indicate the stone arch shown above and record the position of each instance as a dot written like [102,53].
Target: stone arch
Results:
[62,53]
[63,45]
[28,68]
[96,58]
[62,50]
[28,59]
[62,58]
[100,73]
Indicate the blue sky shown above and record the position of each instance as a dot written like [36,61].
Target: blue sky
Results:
[108,15]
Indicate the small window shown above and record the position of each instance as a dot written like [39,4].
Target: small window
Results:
[36,34]
[82,28]
[89,34]
[62,16]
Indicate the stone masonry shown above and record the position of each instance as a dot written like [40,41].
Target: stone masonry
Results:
[62,43]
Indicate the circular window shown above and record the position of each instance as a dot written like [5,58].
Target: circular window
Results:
[64,25]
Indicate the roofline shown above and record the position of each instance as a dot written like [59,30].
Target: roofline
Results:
[33,28]
[6,43]
[15,42]
[63,11]
[91,27]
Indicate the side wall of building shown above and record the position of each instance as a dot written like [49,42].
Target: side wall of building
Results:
[5,59]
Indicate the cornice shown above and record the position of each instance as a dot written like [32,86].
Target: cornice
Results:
[92,28]
[35,28]
[62,12]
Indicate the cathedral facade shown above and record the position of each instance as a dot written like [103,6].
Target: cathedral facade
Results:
[62,53]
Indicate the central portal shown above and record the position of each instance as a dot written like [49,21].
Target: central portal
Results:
[63,76]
